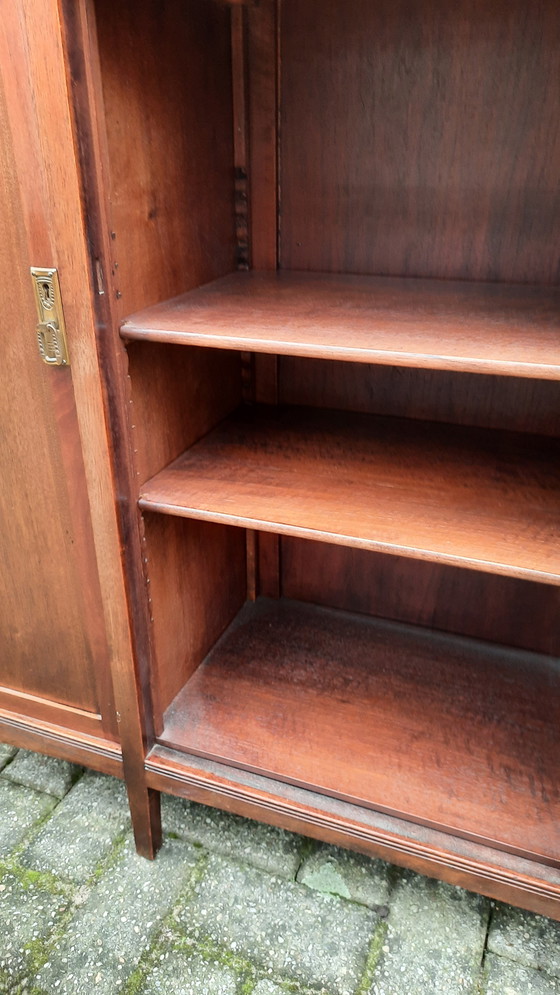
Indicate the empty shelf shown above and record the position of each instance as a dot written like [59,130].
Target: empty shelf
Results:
[466,497]
[436,324]
[445,731]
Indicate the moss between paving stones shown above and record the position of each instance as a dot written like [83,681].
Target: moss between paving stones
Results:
[167,936]
[32,879]
[374,954]
[21,799]
[38,951]
[171,937]
[287,929]
[82,829]
[269,848]
[31,954]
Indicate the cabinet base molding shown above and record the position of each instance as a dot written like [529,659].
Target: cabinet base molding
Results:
[40,709]
[479,868]
[57,741]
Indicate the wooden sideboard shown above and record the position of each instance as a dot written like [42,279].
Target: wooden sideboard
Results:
[283,537]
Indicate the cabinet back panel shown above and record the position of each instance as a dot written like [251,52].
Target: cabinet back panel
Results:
[499,609]
[421,138]
[519,405]
[166,72]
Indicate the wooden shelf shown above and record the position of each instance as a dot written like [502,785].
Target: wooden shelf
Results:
[444,731]
[440,325]
[466,497]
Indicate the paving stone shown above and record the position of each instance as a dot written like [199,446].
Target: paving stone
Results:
[20,808]
[48,774]
[82,830]
[6,754]
[351,875]
[504,977]
[319,939]
[177,974]
[271,849]
[435,940]
[522,936]
[107,936]
[29,913]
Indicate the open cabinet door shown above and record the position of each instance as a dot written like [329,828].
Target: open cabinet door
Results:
[62,607]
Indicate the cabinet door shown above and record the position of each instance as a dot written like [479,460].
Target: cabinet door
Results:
[54,637]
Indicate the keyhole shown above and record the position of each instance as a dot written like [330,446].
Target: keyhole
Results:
[46,295]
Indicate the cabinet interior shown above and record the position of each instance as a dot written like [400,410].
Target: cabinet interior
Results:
[349,535]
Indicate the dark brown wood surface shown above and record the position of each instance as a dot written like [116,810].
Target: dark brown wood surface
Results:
[157,173]
[421,139]
[445,325]
[54,653]
[169,157]
[197,583]
[514,403]
[62,740]
[448,732]
[466,497]
[263,69]
[176,396]
[481,605]
[438,168]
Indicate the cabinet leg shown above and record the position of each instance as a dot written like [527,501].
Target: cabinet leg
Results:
[145,810]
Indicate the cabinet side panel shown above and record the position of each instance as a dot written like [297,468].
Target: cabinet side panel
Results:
[421,138]
[197,584]
[166,75]
[178,395]
[498,609]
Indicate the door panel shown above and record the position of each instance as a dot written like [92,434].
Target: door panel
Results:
[46,648]
[54,650]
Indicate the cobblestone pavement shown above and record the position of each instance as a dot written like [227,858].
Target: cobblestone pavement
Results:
[230,907]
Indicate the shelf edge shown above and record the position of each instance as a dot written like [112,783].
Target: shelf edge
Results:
[300,532]
[534,371]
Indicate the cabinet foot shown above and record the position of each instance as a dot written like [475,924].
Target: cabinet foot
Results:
[146,821]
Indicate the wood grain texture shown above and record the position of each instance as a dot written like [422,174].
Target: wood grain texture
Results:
[441,325]
[39,709]
[491,872]
[513,403]
[129,669]
[196,576]
[262,68]
[421,139]
[446,732]
[169,156]
[53,643]
[60,739]
[465,497]
[177,396]
[481,605]
[263,79]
